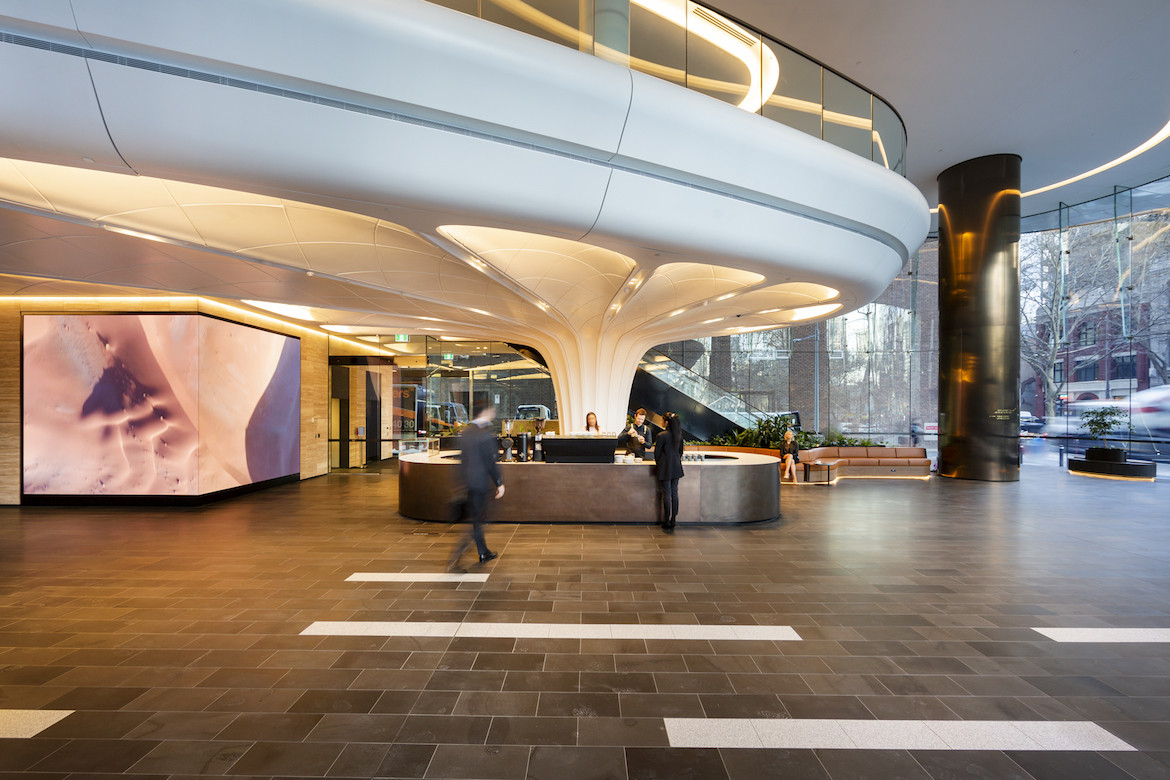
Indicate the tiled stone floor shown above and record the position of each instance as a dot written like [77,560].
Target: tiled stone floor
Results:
[173,638]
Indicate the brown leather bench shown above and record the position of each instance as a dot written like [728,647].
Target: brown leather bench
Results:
[864,462]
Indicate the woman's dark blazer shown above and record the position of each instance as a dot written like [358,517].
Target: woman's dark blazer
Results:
[668,457]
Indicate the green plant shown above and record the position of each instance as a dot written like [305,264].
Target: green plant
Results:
[1103,420]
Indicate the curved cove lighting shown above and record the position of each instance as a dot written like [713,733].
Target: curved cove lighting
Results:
[1149,144]
[762,66]
[1153,141]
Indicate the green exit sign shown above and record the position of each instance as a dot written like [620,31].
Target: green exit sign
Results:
[401,337]
[448,356]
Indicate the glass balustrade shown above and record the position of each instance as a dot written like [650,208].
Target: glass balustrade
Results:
[698,47]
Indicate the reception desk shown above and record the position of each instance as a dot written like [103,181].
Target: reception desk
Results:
[723,488]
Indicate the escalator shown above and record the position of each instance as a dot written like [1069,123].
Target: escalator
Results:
[666,382]
[661,384]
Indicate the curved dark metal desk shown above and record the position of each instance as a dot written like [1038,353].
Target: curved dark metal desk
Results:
[724,488]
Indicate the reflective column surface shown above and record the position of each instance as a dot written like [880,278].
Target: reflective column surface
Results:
[979,319]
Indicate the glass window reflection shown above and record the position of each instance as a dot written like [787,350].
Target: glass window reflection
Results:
[848,115]
[796,99]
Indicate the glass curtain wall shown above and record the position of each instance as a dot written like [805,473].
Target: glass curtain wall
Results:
[1095,317]
[696,46]
[870,374]
[1095,330]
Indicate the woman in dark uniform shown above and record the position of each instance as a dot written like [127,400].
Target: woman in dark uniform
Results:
[668,465]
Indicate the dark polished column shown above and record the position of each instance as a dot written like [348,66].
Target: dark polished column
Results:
[979,319]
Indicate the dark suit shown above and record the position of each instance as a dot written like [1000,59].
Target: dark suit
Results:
[480,475]
[668,468]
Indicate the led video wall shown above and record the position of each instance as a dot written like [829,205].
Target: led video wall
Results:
[156,404]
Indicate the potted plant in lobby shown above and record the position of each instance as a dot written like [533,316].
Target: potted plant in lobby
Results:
[1100,422]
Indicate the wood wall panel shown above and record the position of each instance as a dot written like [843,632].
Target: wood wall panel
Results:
[314,405]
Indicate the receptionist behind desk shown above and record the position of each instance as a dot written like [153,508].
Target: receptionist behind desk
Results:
[636,438]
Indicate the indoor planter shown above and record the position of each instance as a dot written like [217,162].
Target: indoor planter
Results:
[1100,422]
[1108,461]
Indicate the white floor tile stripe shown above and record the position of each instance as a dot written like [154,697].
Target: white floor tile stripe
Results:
[375,576]
[23,724]
[1134,635]
[551,630]
[827,734]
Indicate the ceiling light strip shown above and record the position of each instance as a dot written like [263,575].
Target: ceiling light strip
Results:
[197,301]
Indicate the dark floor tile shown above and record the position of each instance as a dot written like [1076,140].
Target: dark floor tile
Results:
[182,725]
[908,708]
[542,681]
[674,764]
[579,705]
[528,662]
[254,700]
[288,758]
[452,729]
[1049,765]
[648,732]
[512,730]
[30,675]
[243,678]
[920,685]
[742,705]
[95,755]
[548,762]
[335,701]
[96,698]
[497,703]
[825,707]
[1151,765]
[871,765]
[324,679]
[17,755]
[356,727]
[969,765]
[660,705]
[396,701]
[435,703]
[769,683]
[270,727]
[406,761]
[191,757]
[94,724]
[1072,686]
[478,762]
[468,681]
[753,764]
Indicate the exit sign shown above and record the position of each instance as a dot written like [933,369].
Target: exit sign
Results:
[448,356]
[401,337]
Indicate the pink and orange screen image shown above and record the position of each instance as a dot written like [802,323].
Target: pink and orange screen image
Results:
[156,404]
